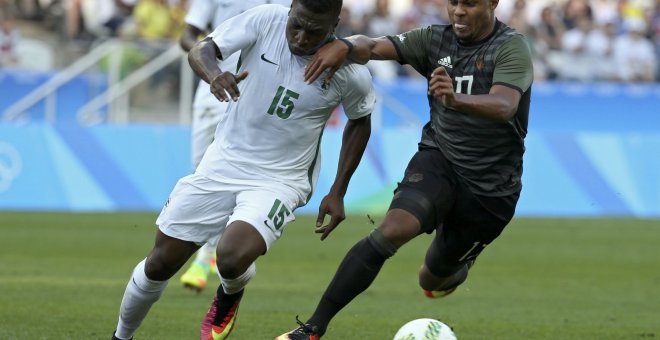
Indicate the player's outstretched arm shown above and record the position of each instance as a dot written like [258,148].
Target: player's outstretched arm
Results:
[358,48]
[354,142]
[203,58]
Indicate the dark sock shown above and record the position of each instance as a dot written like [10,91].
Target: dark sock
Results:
[225,302]
[356,272]
[229,298]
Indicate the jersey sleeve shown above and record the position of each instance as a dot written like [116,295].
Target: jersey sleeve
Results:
[412,48]
[359,97]
[242,31]
[200,14]
[513,64]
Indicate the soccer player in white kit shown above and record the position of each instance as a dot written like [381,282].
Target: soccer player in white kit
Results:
[202,17]
[264,160]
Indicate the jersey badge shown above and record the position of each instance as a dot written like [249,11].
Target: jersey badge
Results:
[480,64]
[325,85]
[446,62]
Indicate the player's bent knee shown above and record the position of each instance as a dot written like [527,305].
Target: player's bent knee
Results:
[232,265]
[227,266]
[418,205]
[398,232]
[155,268]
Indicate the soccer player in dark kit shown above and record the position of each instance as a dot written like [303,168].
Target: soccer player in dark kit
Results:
[465,179]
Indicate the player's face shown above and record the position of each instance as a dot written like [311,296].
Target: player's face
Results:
[307,31]
[472,20]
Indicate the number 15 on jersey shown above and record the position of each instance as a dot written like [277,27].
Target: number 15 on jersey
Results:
[283,104]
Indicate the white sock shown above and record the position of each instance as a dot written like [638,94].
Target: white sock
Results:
[233,286]
[205,254]
[140,294]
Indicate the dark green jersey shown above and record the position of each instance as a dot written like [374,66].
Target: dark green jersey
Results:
[487,154]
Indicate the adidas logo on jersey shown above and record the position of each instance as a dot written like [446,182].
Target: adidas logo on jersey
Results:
[446,62]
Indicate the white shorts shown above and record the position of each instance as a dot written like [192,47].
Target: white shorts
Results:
[200,209]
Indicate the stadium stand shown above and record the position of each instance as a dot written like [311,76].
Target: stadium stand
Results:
[578,105]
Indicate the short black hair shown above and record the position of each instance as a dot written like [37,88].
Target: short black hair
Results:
[322,6]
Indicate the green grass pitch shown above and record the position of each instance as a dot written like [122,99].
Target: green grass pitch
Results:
[62,277]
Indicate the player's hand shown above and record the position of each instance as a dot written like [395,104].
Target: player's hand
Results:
[330,205]
[442,87]
[329,57]
[225,85]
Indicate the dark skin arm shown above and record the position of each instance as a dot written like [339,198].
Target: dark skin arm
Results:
[189,37]
[203,58]
[500,104]
[332,55]
[354,142]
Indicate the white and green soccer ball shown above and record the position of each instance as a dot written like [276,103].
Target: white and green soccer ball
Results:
[425,329]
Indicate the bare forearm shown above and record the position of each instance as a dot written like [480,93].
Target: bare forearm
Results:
[500,104]
[365,49]
[203,59]
[354,142]
[189,37]
[485,106]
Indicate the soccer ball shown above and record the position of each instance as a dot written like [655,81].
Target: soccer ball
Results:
[425,329]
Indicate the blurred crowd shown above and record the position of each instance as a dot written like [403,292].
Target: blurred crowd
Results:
[585,40]
[80,20]
[591,39]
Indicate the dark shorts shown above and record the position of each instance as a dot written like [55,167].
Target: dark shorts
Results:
[465,223]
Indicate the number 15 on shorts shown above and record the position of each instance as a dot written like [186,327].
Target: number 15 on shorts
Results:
[277,215]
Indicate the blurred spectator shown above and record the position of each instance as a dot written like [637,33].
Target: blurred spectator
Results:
[576,63]
[551,29]
[381,23]
[424,13]
[344,27]
[122,10]
[634,54]
[635,9]
[157,22]
[655,25]
[74,23]
[9,38]
[518,20]
[27,9]
[89,19]
[153,20]
[600,47]
[575,10]
[178,10]
[541,54]
[605,12]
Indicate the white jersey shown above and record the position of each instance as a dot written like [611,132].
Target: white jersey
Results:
[209,14]
[274,130]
